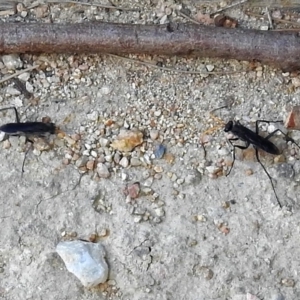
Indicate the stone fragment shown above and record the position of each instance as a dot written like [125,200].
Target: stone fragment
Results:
[102,170]
[132,190]
[12,61]
[159,151]
[127,140]
[85,260]
[124,162]
[293,119]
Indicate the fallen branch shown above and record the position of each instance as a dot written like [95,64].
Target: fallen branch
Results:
[270,47]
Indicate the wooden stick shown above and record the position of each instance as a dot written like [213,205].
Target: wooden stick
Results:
[275,48]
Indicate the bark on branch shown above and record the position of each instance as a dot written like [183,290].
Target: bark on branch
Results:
[276,48]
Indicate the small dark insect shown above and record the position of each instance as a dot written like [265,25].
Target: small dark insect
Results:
[26,129]
[250,137]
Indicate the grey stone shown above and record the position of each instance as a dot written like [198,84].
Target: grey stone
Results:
[85,260]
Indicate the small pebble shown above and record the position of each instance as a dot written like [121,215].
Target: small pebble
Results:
[82,161]
[249,172]
[105,90]
[157,176]
[104,142]
[127,140]
[124,162]
[137,219]
[2,136]
[124,176]
[180,181]
[296,82]
[210,68]
[159,212]
[158,169]
[148,182]
[146,174]
[90,165]
[65,161]
[93,116]
[169,158]
[94,153]
[264,27]
[159,151]
[12,61]
[133,190]
[279,159]
[157,113]
[288,282]
[154,134]
[102,170]
[201,218]
[69,140]
[12,91]
[135,162]
[6,144]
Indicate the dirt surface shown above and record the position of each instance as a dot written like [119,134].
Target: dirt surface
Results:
[192,233]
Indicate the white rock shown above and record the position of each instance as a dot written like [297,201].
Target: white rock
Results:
[24,76]
[29,87]
[102,170]
[105,90]
[12,61]
[2,135]
[124,162]
[12,91]
[103,142]
[85,260]
[210,68]
[93,116]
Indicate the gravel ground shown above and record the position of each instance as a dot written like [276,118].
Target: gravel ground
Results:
[173,226]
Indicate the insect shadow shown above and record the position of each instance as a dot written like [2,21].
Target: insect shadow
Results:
[27,129]
[253,138]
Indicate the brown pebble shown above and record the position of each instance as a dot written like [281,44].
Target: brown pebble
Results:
[6,144]
[169,158]
[228,162]
[76,137]
[93,237]
[288,282]
[293,119]
[279,158]
[158,169]
[226,204]
[82,169]
[46,119]
[65,161]
[249,172]
[219,20]
[133,190]
[75,156]
[69,140]
[61,135]
[90,165]
[223,228]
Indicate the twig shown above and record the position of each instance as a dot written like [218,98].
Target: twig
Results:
[93,4]
[187,17]
[271,47]
[269,18]
[229,6]
[18,73]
